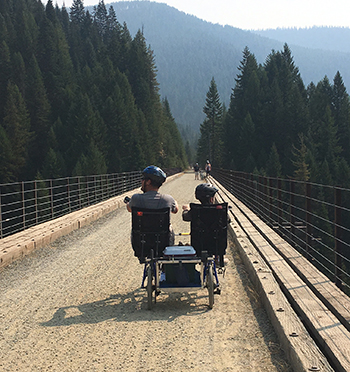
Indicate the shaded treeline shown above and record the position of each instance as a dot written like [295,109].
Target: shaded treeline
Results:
[276,126]
[78,95]
[276,129]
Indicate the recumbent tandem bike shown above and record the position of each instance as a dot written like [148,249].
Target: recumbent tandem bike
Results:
[173,268]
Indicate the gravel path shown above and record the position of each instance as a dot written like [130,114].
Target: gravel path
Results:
[76,305]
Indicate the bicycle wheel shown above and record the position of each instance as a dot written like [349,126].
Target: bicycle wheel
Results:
[149,287]
[210,286]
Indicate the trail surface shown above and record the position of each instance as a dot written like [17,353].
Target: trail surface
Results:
[76,305]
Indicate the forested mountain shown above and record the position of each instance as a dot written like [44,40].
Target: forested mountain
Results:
[327,38]
[189,52]
[78,95]
[276,126]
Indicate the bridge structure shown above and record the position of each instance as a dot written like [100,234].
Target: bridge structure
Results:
[302,289]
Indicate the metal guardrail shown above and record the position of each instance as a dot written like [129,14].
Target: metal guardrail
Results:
[314,218]
[28,203]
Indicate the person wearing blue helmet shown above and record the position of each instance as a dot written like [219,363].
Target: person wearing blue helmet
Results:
[152,179]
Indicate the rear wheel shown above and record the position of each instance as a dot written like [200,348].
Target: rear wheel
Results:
[210,286]
[149,288]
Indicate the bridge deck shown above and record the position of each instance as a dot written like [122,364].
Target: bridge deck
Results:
[76,305]
[79,296]
[312,295]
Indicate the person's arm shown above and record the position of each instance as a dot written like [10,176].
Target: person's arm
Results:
[186,213]
[175,207]
[130,203]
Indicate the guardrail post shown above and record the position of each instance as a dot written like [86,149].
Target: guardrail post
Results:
[255,193]
[265,197]
[259,200]
[337,238]
[51,199]
[36,202]
[231,182]
[292,208]
[79,197]
[279,201]
[308,217]
[1,217]
[68,195]
[270,199]
[23,206]
[95,188]
[87,189]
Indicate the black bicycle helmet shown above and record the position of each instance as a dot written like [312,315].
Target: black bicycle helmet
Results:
[155,174]
[205,191]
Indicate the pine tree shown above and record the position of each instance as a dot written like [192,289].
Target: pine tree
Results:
[39,110]
[77,12]
[244,103]
[87,129]
[246,139]
[19,73]
[5,74]
[16,124]
[341,114]
[112,22]
[173,148]
[211,129]
[285,117]
[301,172]
[27,31]
[6,156]
[323,132]
[101,18]
[96,163]
[273,166]
[62,77]
[52,167]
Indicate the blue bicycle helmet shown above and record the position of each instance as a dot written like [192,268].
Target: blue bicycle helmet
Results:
[155,174]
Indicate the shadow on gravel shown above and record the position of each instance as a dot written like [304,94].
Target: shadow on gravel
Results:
[131,307]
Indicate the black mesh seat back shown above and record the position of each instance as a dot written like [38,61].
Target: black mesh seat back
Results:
[209,228]
[150,230]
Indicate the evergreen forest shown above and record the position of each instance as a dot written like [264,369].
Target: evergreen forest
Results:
[78,95]
[276,126]
[190,51]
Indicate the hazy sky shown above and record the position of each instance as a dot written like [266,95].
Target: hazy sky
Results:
[259,14]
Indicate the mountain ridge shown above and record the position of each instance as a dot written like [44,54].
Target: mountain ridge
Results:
[189,52]
[329,38]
